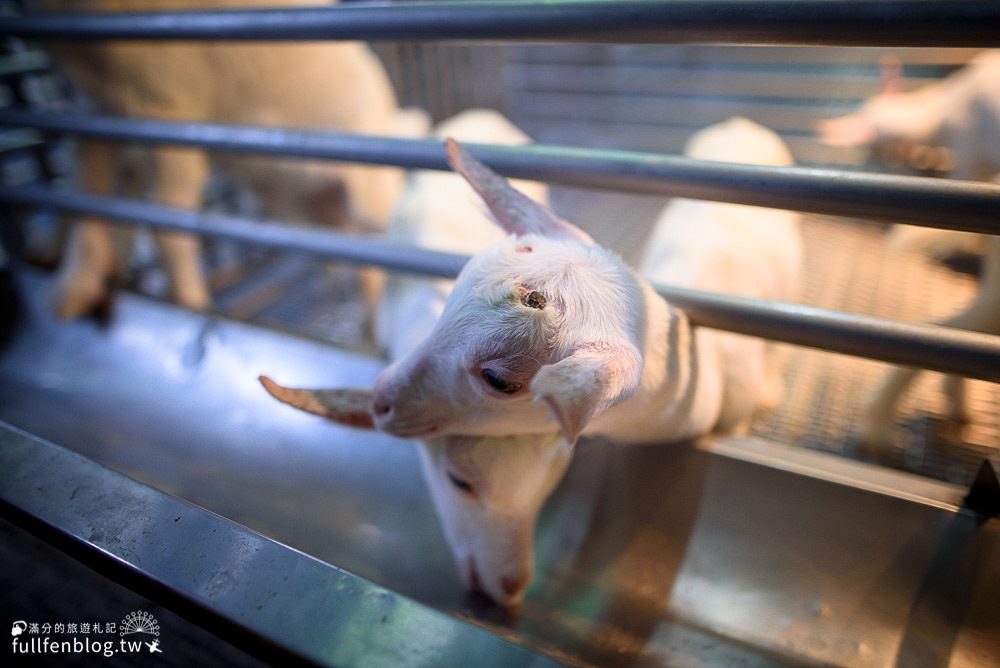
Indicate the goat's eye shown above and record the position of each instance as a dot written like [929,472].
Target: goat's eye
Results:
[498,383]
[459,483]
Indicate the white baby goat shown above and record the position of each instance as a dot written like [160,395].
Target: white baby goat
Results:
[597,347]
[962,114]
[604,353]
[487,491]
[308,85]
[735,249]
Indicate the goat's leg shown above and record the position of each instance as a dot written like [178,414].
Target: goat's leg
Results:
[878,417]
[955,394]
[371,192]
[179,177]
[982,315]
[90,260]
[772,392]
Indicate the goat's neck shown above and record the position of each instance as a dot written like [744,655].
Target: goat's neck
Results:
[681,389]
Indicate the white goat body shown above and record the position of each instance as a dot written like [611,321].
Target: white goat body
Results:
[487,490]
[734,249]
[335,85]
[962,114]
[606,354]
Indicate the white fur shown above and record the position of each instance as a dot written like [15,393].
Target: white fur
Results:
[439,211]
[962,114]
[491,530]
[334,85]
[735,249]
[606,355]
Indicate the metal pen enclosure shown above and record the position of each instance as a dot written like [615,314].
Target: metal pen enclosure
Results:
[736,552]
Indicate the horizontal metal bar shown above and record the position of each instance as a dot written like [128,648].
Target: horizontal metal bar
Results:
[840,470]
[928,346]
[834,22]
[24,62]
[957,205]
[945,349]
[321,243]
[238,583]
[20,139]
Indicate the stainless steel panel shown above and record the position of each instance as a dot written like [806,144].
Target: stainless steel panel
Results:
[286,605]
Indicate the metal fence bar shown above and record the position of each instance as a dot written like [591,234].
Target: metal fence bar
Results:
[25,62]
[928,346]
[321,243]
[971,23]
[20,139]
[949,204]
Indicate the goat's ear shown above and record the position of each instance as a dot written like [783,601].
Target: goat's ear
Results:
[349,407]
[580,386]
[846,131]
[512,210]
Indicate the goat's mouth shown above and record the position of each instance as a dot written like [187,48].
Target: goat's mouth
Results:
[507,597]
[407,430]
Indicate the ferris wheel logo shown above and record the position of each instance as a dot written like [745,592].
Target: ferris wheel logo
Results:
[139,622]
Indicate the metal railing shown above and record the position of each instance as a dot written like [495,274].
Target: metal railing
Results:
[956,205]
[938,348]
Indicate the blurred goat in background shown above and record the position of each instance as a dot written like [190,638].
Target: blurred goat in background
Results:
[331,85]
[960,114]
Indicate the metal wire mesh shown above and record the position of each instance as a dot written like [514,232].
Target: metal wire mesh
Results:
[848,267]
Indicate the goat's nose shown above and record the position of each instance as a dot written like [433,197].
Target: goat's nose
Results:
[382,397]
[381,403]
[512,586]
[380,406]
